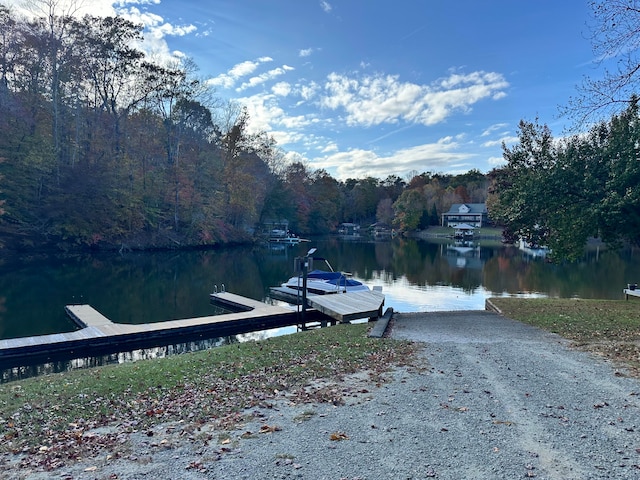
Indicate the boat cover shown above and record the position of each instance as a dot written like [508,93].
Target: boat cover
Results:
[334,278]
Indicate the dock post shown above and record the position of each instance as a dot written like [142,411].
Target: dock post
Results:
[305,270]
[305,267]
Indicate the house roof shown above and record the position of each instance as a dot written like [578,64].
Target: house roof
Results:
[476,208]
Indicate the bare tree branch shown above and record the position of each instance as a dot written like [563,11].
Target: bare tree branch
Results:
[615,38]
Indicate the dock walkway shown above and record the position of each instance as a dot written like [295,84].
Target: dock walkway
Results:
[343,307]
[99,335]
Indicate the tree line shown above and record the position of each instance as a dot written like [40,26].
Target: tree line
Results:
[101,146]
[560,192]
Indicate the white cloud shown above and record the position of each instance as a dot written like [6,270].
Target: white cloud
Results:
[155,33]
[308,91]
[497,143]
[173,30]
[330,147]
[494,128]
[264,77]
[441,156]
[122,3]
[267,115]
[305,52]
[281,89]
[245,68]
[326,6]
[373,100]
[242,69]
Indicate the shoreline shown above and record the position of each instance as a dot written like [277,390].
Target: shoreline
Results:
[475,402]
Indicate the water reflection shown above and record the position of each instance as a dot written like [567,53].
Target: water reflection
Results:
[415,276]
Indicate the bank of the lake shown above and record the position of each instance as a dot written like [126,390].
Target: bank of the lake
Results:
[189,412]
[415,275]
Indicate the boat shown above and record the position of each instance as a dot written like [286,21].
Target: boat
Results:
[533,250]
[285,237]
[323,282]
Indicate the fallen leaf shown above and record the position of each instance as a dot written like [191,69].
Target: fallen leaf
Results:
[337,436]
[269,429]
[502,422]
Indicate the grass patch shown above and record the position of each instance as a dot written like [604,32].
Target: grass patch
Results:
[610,328]
[58,418]
[52,414]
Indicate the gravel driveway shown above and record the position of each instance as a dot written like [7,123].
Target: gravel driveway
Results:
[493,399]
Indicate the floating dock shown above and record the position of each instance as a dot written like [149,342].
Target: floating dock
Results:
[97,335]
[343,307]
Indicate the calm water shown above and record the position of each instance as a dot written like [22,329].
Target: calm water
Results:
[415,276]
[152,287]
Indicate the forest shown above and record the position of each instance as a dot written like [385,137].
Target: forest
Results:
[103,148]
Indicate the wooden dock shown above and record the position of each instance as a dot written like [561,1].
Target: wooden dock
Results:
[342,307]
[97,335]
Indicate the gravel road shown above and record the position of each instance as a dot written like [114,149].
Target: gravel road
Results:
[490,399]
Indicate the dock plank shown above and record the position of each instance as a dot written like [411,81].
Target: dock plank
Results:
[87,316]
[345,307]
[236,301]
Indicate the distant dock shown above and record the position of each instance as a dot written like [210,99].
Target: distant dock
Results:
[97,335]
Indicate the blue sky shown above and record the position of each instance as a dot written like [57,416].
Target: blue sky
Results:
[377,88]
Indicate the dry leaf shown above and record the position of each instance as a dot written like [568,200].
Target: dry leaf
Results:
[269,429]
[337,436]
[502,422]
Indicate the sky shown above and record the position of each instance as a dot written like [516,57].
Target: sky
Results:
[376,88]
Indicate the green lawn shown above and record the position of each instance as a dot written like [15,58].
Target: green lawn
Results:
[610,328]
[50,417]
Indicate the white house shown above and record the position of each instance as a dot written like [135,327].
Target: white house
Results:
[472,214]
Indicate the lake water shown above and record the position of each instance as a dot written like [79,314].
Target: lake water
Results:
[415,275]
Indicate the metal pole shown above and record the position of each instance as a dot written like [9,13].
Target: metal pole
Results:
[305,268]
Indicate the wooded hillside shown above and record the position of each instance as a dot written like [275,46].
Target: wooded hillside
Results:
[101,147]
